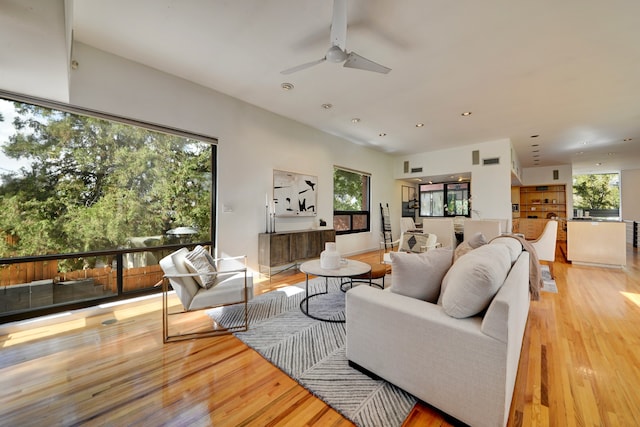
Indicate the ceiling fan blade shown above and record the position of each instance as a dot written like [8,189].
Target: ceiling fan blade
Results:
[361,63]
[339,24]
[302,66]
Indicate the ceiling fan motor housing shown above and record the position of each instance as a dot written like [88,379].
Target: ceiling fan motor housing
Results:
[335,54]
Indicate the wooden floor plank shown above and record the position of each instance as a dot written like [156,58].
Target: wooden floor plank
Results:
[580,365]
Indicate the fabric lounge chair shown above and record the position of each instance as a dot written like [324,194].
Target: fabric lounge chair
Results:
[229,283]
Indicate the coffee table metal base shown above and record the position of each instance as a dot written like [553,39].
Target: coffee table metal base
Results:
[304,304]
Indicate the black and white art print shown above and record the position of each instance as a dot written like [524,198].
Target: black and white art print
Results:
[294,194]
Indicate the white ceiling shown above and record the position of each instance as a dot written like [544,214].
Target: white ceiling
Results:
[567,71]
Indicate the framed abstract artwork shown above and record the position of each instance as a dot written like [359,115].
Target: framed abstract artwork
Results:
[294,194]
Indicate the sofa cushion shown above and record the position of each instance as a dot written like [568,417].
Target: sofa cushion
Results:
[471,283]
[420,275]
[201,262]
[413,242]
[474,242]
[514,246]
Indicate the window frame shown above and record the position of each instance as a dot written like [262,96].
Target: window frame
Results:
[445,198]
[122,292]
[354,214]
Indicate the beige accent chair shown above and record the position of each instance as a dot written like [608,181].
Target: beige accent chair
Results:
[443,228]
[545,245]
[233,285]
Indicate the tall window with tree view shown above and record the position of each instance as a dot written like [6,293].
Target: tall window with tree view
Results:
[597,194]
[351,205]
[72,183]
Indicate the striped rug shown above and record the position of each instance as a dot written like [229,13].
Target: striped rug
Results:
[313,353]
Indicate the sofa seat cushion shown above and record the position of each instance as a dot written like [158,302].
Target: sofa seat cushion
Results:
[420,275]
[471,283]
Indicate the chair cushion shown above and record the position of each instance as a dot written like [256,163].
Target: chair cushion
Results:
[413,242]
[472,282]
[201,262]
[185,287]
[420,275]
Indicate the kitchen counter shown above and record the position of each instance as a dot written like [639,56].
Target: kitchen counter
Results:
[601,242]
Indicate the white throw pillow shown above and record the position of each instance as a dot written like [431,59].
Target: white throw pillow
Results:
[472,282]
[201,262]
[420,275]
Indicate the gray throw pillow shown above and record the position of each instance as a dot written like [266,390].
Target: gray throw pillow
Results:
[420,275]
[201,262]
[472,282]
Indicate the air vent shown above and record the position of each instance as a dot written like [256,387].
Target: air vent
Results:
[491,161]
[556,174]
[414,170]
[475,157]
[406,166]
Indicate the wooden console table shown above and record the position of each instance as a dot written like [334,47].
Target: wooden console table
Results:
[288,248]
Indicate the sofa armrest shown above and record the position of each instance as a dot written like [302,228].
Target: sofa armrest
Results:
[507,314]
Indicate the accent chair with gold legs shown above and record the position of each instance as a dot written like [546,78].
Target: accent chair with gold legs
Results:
[225,281]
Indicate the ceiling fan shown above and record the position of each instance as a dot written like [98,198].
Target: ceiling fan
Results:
[337,52]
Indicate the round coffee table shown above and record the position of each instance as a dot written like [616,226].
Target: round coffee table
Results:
[348,268]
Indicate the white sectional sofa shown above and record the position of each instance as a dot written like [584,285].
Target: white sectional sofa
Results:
[465,367]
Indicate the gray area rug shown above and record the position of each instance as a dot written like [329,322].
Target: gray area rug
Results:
[313,352]
[549,285]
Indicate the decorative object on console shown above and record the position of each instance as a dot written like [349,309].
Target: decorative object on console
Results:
[294,194]
[330,257]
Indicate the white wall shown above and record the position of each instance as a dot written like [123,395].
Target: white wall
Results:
[490,184]
[629,190]
[543,175]
[252,142]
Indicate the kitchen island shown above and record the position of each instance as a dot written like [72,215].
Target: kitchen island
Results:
[599,242]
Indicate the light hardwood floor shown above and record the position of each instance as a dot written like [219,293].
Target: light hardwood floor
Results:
[580,365]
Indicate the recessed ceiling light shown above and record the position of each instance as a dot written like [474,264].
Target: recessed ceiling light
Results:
[585,143]
[536,151]
[419,125]
[628,139]
[287,86]
[536,155]
[599,164]
[611,153]
[327,106]
[355,120]
[534,136]
[382,134]
[466,113]
[535,145]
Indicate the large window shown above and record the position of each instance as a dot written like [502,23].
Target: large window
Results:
[597,195]
[88,203]
[433,197]
[350,201]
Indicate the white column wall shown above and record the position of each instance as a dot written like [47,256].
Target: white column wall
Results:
[490,184]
